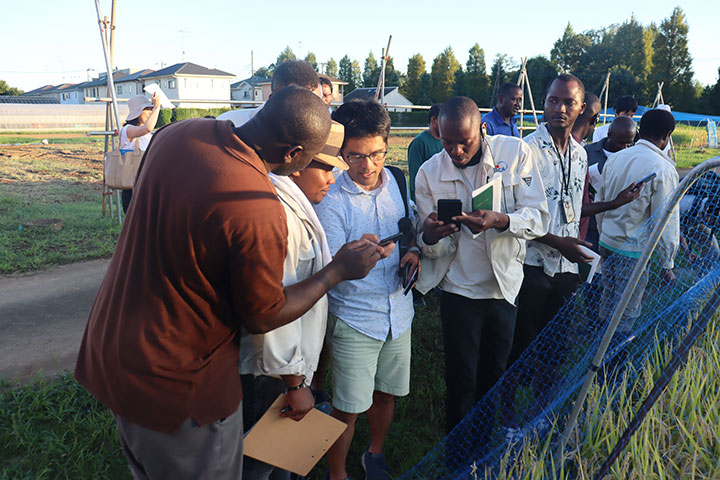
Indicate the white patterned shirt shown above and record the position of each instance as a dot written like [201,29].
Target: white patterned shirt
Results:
[375,305]
[562,181]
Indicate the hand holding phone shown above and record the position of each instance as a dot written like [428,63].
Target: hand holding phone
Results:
[448,208]
[388,240]
[412,281]
[641,182]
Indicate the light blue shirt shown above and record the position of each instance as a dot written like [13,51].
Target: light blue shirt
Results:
[375,305]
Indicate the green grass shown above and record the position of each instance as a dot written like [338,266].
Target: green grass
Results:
[53,428]
[23,139]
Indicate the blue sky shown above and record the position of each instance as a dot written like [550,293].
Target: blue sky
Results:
[50,42]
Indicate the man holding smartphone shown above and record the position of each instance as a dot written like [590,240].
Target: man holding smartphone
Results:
[623,230]
[369,324]
[479,264]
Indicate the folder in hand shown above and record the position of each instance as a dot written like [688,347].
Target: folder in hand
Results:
[291,445]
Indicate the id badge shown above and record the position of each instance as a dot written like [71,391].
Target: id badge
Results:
[568,210]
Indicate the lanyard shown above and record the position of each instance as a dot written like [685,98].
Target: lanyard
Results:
[565,178]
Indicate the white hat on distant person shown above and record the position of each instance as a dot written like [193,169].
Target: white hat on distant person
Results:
[137,104]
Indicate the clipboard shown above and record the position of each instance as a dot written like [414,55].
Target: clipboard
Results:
[291,445]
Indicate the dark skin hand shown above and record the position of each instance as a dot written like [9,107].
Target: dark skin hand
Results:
[480,220]
[299,401]
[434,230]
[568,247]
[624,197]
[354,260]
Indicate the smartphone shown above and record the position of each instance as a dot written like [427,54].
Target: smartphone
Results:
[448,208]
[646,179]
[390,239]
[412,281]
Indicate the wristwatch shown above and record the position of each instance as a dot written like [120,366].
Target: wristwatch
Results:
[300,385]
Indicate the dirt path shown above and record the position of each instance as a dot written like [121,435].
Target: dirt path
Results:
[43,317]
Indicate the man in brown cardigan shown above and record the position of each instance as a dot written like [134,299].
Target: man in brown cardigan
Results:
[200,254]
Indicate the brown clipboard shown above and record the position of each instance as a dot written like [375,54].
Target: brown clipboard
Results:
[291,445]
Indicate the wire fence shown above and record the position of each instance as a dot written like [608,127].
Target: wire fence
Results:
[513,430]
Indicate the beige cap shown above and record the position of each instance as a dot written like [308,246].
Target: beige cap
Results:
[137,104]
[329,154]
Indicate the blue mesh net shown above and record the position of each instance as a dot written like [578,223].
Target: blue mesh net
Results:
[534,397]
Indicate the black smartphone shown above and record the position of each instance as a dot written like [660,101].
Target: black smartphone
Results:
[639,183]
[412,281]
[448,208]
[390,239]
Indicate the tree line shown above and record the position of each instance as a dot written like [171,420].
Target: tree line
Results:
[638,57]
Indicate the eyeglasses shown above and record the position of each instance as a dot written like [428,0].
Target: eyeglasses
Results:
[374,157]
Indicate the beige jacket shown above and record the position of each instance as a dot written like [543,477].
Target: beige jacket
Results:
[523,199]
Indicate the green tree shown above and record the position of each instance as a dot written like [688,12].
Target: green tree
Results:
[415,71]
[443,75]
[425,92]
[264,72]
[672,63]
[569,51]
[331,68]
[499,74]
[541,71]
[312,60]
[711,98]
[347,72]
[476,81]
[286,54]
[6,89]
[370,78]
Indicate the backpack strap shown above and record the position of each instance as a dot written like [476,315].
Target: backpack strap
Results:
[402,184]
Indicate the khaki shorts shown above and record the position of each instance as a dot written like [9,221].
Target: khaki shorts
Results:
[361,365]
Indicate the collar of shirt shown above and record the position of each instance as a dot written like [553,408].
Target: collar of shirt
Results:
[495,117]
[349,185]
[655,149]
[451,173]
[548,143]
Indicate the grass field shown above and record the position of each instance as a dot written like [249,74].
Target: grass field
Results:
[52,428]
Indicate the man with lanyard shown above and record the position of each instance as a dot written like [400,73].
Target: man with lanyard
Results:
[479,264]
[551,272]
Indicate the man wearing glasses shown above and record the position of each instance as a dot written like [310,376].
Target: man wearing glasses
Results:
[369,324]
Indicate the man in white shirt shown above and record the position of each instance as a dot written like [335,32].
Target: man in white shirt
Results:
[369,325]
[284,360]
[623,231]
[551,271]
[479,265]
[289,72]
[624,106]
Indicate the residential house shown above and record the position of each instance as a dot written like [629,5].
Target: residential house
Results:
[248,89]
[131,84]
[338,87]
[187,81]
[393,98]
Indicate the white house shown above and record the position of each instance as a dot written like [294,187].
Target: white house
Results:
[131,84]
[248,89]
[188,81]
[393,97]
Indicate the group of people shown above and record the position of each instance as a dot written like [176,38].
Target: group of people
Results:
[259,250]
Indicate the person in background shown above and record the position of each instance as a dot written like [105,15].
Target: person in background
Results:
[138,128]
[620,136]
[424,146]
[289,72]
[274,363]
[327,91]
[624,106]
[623,230]
[501,120]
[369,326]
[585,124]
